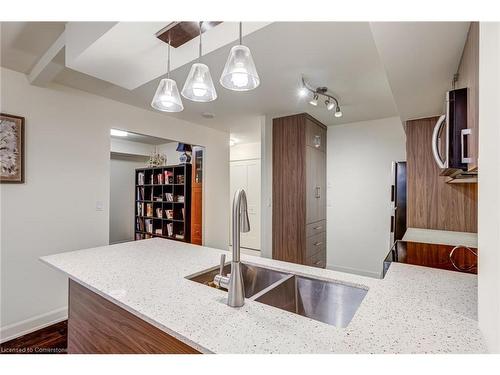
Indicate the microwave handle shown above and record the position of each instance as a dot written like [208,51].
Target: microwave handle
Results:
[435,138]
[463,135]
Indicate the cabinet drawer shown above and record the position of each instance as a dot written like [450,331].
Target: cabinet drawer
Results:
[315,135]
[315,244]
[315,228]
[317,260]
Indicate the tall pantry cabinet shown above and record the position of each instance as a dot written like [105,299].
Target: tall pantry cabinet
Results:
[299,190]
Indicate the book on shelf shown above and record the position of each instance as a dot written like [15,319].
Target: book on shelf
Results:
[182,213]
[170,229]
[140,193]
[169,214]
[168,177]
[159,178]
[152,179]
[139,224]
[149,225]
[140,209]
[149,209]
[159,213]
[169,197]
[140,178]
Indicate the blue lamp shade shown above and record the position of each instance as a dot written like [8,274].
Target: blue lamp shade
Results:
[184,147]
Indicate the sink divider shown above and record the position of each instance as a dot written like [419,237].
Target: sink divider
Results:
[272,286]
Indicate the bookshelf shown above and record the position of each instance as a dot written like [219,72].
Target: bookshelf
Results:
[163,202]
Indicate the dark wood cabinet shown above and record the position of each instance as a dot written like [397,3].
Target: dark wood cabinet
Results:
[299,190]
[97,326]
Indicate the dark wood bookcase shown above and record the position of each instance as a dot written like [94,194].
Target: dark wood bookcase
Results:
[163,202]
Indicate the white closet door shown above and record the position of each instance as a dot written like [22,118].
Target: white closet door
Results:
[245,174]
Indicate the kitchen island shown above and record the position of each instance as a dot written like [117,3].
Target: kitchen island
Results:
[412,310]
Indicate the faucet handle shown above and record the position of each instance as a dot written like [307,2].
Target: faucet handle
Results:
[222,262]
[220,280]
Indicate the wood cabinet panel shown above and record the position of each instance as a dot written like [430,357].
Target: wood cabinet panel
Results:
[289,189]
[299,185]
[438,256]
[431,202]
[315,228]
[468,76]
[315,244]
[98,326]
[315,134]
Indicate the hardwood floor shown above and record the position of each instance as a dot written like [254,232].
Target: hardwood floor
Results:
[49,340]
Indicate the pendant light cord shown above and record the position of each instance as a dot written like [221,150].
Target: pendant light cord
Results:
[200,41]
[168,59]
[241,35]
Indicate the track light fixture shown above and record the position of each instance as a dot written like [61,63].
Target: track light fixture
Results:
[330,101]
[314,100]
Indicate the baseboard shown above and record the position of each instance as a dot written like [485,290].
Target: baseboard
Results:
[35,323]
[356,271]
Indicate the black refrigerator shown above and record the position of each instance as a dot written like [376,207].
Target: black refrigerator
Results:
[398,201]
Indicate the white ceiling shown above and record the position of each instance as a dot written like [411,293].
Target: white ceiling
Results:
[420,60]
[376,70]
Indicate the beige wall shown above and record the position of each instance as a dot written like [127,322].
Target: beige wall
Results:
[359,157]
[489,185]
[67,178]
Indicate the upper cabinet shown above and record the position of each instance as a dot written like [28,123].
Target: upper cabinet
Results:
[468,76]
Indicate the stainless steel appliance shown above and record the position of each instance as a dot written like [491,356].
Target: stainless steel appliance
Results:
[398,201]
[449,138]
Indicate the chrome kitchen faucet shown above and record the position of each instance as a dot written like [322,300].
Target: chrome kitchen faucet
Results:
[234,282]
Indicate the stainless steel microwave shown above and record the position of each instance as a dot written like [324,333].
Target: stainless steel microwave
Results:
[449,138]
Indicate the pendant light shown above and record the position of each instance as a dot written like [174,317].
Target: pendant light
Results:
[199,86]
[239,73]
[167,98]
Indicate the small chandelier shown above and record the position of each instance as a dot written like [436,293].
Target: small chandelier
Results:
[320,93]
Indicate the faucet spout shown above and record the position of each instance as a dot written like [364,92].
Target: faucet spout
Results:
[234,284]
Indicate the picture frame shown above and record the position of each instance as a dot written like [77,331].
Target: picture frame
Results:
[12,155]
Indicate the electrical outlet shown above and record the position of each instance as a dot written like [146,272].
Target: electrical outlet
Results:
[99,206]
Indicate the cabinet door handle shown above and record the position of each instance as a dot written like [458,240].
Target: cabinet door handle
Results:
[318,189]
[318,228]
[318,244]
[317,141]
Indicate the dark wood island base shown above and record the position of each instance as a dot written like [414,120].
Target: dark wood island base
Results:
[98,326]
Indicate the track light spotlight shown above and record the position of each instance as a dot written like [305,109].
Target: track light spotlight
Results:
[314,100]
[338,112]
[329,104]
[302,92]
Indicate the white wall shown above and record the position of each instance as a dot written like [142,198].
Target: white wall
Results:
[123,146]
[67,173]
[359,157]
[489,185]
[169,149]
[121,197]
[245,151]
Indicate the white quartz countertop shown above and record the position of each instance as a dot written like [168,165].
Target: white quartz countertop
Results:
[412,310]
[440,237]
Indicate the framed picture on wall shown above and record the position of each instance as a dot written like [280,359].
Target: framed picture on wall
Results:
[11,148]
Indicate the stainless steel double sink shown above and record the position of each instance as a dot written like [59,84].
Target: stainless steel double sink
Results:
[326,301]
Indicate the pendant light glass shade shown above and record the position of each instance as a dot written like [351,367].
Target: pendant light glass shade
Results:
[199,86]
[167,98]
[239,73]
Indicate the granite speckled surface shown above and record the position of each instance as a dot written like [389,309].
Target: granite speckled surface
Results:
[413,310]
